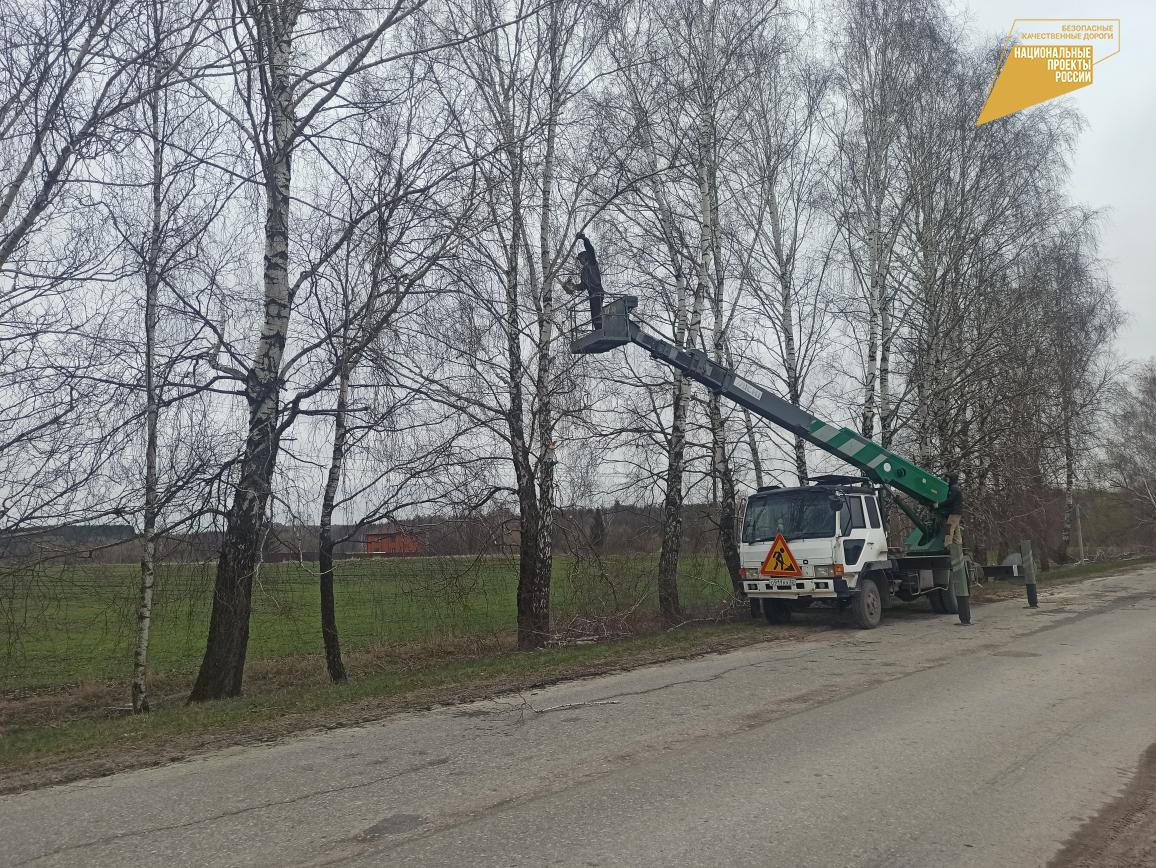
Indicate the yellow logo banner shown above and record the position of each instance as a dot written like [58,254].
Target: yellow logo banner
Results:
[1044,58]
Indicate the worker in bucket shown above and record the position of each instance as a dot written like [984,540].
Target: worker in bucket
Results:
[589,279]
[953,506]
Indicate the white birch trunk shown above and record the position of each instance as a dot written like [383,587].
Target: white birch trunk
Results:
[784,265]
[223,666]
[669,603]
[139,688]
[544,386]
[874,313]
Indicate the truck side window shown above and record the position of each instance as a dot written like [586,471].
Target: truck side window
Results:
[873,512]
[856,512]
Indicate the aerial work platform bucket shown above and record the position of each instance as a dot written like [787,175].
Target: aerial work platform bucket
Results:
[615,331]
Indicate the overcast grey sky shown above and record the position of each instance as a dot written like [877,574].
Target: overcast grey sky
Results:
[1115,166]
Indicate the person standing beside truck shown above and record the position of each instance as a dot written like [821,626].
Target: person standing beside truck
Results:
[953,507]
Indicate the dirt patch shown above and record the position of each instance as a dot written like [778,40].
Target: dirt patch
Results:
[1123,834]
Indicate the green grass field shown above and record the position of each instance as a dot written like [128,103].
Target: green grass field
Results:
[68,625]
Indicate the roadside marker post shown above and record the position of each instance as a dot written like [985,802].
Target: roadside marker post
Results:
[1029,564]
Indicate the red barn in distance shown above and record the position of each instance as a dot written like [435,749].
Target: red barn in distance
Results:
[393,543]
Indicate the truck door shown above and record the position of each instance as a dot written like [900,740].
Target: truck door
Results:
[853,529]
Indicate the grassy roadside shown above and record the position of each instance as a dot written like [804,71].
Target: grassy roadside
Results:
[44,740]
[61,750]
[65,626]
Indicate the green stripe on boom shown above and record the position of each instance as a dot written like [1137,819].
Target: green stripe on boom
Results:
[879,464]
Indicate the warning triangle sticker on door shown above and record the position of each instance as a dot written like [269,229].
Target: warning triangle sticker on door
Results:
[780,561]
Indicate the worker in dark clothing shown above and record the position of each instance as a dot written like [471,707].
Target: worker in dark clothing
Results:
[953,508]
[590,279]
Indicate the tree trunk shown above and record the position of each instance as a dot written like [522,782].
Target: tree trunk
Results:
[533,596]
[223,666]
[867,426]
[785,264]
[753,446]
[533,593]
[886,411]
[669,605]
[140,703]
[727,506]
[543,380]
[720,463]
[728,515]
[1063,555]
[329,635]
[533,599]
[535,481]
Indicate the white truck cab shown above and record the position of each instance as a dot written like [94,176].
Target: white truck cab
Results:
[835,536]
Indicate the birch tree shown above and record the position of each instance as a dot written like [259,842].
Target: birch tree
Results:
[526,76]
[285,95]
[684,96]
[70,74]
[162,199]
[422,195]
[787,260]
[649,91]
[875,50]
[724,44]
[1084,322]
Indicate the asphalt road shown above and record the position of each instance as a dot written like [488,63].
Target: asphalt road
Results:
[920,743]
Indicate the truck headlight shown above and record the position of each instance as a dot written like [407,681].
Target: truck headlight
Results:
[824,571]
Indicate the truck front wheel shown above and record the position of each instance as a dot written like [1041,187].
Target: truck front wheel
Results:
[867,605]
[777,611]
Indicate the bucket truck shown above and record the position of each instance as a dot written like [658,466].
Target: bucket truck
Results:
[822,543]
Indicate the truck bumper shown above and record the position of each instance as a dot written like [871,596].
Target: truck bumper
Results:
[790,589]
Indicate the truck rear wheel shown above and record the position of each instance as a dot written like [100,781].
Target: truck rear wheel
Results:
[777,611]
[867,605]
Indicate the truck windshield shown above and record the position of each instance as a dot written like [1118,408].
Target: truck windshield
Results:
[794,514]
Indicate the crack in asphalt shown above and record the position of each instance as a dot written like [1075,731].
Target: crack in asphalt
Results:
[139,833]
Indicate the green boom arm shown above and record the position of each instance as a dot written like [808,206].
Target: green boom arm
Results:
[877,464]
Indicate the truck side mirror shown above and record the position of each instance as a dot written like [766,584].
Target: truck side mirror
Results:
[835,502]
